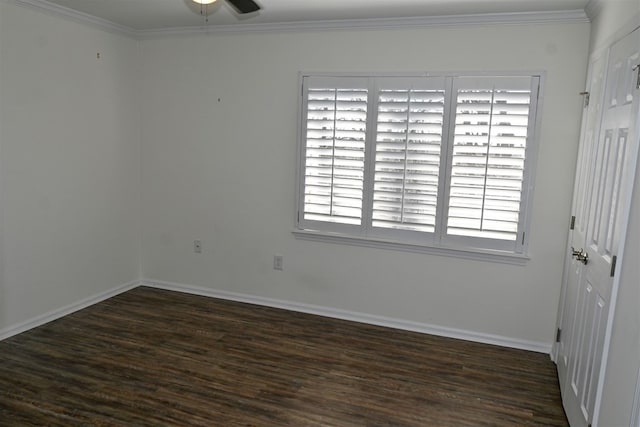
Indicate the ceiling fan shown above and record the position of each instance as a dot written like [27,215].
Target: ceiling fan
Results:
[242,6]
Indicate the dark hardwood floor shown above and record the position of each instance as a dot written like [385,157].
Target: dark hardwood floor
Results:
[151,357]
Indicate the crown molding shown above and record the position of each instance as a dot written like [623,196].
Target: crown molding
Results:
[519,18]
[74,15]
[564,17]
[593,8]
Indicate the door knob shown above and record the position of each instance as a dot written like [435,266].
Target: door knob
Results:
[580,254]
[583,257]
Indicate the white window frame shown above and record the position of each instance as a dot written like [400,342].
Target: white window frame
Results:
[439,242]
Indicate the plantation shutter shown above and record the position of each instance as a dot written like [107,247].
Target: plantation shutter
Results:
[409,128]
[493,122]
[434,161]
[334,153]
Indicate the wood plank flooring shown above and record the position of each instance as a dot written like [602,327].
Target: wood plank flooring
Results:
[152,357]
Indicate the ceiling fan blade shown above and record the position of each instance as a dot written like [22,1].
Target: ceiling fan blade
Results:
[245,6]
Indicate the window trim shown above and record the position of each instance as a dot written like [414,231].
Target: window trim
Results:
[445,245]
[477,254]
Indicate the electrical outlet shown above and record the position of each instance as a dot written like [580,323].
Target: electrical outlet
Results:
[277,262]
[197,246]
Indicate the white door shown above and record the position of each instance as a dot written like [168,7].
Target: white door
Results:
[573,267]
[601,207]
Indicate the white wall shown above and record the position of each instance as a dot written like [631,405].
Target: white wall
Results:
[70,156]
[224,172]
[615,19]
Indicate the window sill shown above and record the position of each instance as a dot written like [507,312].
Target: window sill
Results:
[466,253]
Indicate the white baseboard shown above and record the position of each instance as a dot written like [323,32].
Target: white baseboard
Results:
[389,322]
[61,312]
[539,347]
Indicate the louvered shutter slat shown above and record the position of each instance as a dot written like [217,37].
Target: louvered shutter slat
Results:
[487,165]
[334,153]
[407,157]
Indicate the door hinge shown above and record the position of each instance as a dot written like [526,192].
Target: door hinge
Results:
[586,98]
[523,234]
[572,225]
[558,334]
[614,260]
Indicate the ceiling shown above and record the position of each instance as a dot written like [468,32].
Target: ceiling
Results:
[143,15]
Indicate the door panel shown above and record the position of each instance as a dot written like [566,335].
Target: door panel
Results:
[607,162]
[581,201]
[584,181]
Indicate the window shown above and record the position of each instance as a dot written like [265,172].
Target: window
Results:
[441,161]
